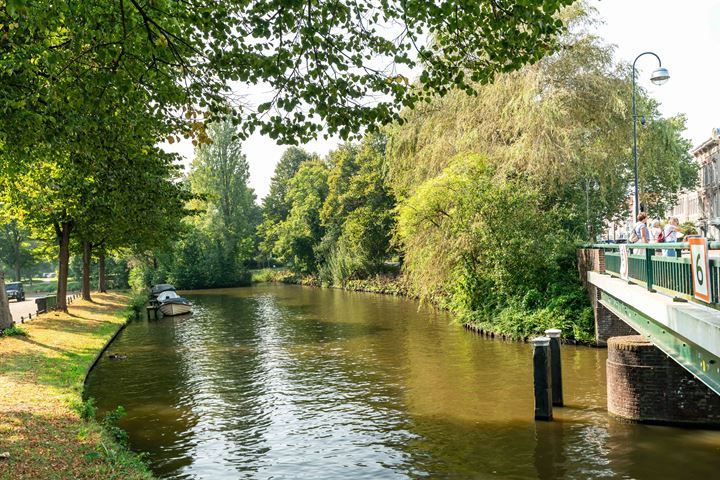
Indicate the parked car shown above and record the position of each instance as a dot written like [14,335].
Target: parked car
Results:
[15,290]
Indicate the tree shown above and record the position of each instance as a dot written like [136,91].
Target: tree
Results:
[276,205]
[298,235]
[476,239]
[15,248]
[219,176]
[6,320]
[110,185]
[358,212]
[328,58]
[563,123]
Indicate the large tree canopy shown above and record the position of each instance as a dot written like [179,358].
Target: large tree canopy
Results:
[327,65]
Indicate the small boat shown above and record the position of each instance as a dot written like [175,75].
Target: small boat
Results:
[170,303]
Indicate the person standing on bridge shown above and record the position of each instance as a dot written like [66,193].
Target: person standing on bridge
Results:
[641,232]
[657,234]
[671,235]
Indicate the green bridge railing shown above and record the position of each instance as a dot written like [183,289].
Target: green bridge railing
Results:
[671,275]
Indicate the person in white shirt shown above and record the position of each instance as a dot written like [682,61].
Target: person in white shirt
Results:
[643,233]
[670,233]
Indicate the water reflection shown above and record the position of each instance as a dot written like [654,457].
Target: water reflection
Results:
[293,382]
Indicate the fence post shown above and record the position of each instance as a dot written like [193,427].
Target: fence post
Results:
[649,254]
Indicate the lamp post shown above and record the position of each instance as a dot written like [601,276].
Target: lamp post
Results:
[658,77]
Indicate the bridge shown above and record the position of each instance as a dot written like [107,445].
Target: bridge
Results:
[674,304]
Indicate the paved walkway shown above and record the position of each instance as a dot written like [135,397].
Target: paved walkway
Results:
[23,309]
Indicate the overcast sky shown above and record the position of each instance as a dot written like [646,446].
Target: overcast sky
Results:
[685,35]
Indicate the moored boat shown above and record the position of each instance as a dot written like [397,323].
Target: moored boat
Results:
[170,303]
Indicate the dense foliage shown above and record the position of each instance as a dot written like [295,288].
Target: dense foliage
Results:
[475,180]
[482,197]
[321,61]
[340,216]
[89,90]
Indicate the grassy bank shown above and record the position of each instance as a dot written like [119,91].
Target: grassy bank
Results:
[41,381]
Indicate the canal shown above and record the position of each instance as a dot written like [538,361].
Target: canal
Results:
[280,381]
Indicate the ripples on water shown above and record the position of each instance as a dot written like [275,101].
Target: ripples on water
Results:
[293,382]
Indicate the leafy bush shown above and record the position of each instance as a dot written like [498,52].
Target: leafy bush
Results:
[490,251]
[110,424]
[86,409]
[13,331]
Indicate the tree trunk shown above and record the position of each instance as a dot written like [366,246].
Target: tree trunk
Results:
[87,258]
[63,232]
[101,273]
[6,320]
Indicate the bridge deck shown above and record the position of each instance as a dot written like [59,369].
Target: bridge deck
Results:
[687,332]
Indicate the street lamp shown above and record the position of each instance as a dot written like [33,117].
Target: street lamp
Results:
[658,77]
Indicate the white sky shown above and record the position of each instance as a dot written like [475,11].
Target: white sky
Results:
[686,37]
[684,34]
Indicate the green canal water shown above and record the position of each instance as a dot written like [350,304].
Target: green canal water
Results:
[280,381]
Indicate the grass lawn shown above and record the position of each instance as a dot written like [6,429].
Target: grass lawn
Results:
[41,381]
[48,285]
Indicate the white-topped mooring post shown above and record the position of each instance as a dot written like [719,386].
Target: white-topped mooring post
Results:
[555,366]
[542,378]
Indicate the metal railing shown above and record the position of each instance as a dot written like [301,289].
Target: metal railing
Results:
[671,275]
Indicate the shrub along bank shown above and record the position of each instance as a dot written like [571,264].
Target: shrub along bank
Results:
[45,427]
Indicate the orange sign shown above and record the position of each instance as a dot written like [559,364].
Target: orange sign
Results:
[700,268]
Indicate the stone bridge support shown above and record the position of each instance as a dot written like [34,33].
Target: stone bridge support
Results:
[645,385]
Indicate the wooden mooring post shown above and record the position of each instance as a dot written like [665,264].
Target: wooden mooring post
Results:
[555,366]
[542,378]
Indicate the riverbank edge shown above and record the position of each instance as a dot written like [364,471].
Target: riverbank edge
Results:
[118,461]
[386,285]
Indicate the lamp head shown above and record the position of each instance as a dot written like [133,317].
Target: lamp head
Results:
[660,76]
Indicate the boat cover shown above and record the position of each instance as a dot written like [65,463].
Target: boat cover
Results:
[161,287]
[167,295]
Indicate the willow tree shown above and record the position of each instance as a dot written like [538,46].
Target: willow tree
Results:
[563,123]
[493,188]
